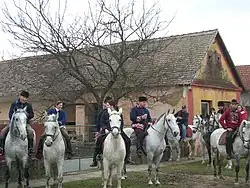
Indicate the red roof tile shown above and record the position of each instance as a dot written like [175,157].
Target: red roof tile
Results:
[244,72]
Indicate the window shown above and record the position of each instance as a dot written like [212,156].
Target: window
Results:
[205,108]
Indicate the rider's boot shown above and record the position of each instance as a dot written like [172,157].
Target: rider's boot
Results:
[39,154]
[96,152]
[30,146]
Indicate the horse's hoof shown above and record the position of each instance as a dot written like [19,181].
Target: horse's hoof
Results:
[236,183]
[208,165]
[150,183]
[203,162]
[215,178]
[157,182]
[178,159]
[123,177]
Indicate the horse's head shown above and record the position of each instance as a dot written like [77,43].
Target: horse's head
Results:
[19,123]
[115,121]
[214,119]
[245,133]
[51,127]
[197,121]
[171,124]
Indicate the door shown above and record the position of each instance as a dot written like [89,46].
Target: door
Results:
[205,106]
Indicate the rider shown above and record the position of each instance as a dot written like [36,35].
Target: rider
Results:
[104,123]
[61,120]
[98,128]
[243,113]
[20,103]
[141,119]
[230,120]
[221,108]
[182,120]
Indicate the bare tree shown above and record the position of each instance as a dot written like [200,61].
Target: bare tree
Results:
[107,51]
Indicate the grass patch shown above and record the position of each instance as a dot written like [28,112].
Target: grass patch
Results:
[201,169]
[176,175]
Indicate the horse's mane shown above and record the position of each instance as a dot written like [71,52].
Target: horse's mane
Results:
[160,117]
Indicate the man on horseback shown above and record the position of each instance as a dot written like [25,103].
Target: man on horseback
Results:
[182,120]
[20,103]
[141,119]
[62,121]
[230,120]
[98,128]
[104,124]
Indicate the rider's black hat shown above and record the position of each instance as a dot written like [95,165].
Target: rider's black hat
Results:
[220,103]
[142,99]
[234,101]
[24,94]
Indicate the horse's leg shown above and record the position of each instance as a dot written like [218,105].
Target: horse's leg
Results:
[178,150]
[19,169]
[26,170]
[110,176]
[208,146]
[157,165]
[247,170]
[192,149]
[214,155]
[171,151]
[220,162]
[119,174]
[124,172]
[60,172]
[203,152]
[7,172]
[105,172]
[150,162]
[47,172]
[237,168]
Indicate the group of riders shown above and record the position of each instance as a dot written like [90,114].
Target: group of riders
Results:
[230,120]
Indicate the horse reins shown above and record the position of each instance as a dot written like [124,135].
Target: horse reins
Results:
[164,127]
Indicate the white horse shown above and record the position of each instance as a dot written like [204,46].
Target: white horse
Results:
[174,144]
[155,143]
[53,149]
[192,135]
[16,146]
[114,150]
[241,148]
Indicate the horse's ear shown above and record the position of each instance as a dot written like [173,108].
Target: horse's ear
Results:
[109,111]
[173,111]
[168,111]
[45,115]
[120,111]
[25,109]
[201,116]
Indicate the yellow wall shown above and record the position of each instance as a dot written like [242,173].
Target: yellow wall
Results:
[215,47]
[210,94]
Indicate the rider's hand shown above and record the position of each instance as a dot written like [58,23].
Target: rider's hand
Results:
[144,116]
[138,118]
[150,124]
[229,129]
[179,117]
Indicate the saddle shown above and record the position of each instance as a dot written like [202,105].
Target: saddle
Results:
[189,132]
[222,140]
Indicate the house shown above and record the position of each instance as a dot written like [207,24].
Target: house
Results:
[244,72]
[197,72]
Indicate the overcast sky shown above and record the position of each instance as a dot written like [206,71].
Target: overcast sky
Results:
[231,17]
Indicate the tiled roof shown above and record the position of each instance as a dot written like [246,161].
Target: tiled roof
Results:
[244,72]
[179,63]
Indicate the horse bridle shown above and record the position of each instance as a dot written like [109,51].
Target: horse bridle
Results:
[53,136]
[243,140]
[14,123]
[165,116]
[115,127]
